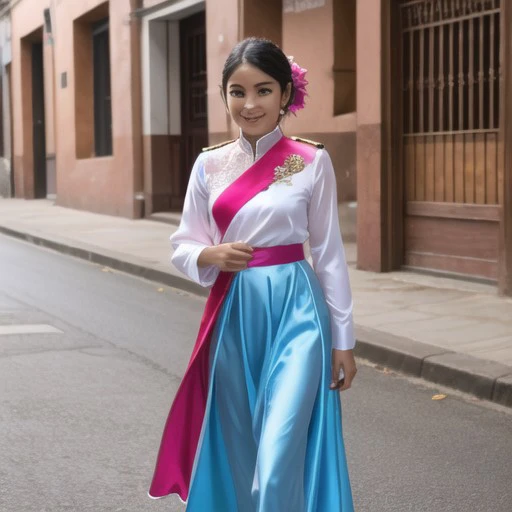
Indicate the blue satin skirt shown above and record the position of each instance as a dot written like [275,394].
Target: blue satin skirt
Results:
[271,439]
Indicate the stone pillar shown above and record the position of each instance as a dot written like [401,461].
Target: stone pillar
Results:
[369,136]
[505,233]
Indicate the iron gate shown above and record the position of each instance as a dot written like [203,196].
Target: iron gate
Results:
[451,76]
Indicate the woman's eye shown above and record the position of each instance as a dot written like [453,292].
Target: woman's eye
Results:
[264,91]
[236,94]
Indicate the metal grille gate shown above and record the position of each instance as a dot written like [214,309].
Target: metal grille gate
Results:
[451,74]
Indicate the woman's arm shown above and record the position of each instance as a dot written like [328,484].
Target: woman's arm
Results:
[331,268]
[328,253]
[194,251]
[194,233]
[229,257]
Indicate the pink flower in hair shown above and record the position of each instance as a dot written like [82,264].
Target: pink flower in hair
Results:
[299,82]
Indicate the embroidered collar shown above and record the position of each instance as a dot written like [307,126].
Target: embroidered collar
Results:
[263,144]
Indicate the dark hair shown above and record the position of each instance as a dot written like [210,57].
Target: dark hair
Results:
[266,56]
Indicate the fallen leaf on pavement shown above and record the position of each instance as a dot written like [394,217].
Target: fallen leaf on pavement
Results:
[439,397]
[106,269]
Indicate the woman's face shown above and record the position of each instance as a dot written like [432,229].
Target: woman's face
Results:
[254,100]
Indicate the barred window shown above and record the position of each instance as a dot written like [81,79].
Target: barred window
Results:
[451,68]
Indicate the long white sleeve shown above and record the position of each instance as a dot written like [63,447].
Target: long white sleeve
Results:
[194,232]
[328,253]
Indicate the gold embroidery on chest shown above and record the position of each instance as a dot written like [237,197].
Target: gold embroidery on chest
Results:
[292,165]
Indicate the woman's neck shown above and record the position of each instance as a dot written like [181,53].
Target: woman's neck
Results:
[253,139]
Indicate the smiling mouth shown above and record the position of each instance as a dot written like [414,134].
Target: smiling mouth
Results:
[252,119]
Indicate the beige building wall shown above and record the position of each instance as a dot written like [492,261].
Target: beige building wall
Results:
[105,184]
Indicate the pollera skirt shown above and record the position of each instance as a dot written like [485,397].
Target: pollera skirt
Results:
[271,439]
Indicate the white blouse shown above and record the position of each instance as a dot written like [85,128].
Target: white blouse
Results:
[281,215]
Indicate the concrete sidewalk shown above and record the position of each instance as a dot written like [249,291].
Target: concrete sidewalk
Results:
[451,332]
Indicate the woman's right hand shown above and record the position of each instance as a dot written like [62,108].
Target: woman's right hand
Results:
[230,257]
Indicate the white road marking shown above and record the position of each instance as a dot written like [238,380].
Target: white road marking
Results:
[29,329]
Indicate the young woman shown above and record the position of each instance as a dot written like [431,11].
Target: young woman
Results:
[256,423]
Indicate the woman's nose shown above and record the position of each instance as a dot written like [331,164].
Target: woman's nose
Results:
[250,102]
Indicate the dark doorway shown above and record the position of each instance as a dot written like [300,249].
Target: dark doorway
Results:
[102,99]
[38,122]
[194,116]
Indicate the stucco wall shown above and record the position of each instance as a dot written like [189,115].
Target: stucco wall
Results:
[222,33]
[308,36]
[24,20]
[98,184]
[369,135]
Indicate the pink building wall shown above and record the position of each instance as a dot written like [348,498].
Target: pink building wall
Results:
[25,19]
[105,184]
[108,184]
[369,134]
[222,33]
[309,37]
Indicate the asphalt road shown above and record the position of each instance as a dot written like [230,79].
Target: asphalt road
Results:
[83,399]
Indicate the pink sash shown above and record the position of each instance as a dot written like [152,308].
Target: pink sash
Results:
[183,427]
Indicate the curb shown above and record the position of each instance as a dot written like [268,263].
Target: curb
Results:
[487,380]
[484,379]
[100,258]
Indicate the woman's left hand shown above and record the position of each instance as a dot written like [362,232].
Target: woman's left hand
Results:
[343,360]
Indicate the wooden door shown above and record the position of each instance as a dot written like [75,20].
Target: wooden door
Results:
[38,122]
[451,153]
[194,116]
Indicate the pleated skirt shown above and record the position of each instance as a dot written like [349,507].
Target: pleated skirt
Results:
[271,439]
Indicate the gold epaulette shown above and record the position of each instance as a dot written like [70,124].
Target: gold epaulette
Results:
[216,146]
[318,145]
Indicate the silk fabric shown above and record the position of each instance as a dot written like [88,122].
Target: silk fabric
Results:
[272,438]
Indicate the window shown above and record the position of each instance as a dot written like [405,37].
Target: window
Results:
[93,108]
[102,99]
[451,66]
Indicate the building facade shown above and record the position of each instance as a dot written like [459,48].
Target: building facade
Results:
[76,104]
[6,174]
[112,101]
[184,46]
[434,167]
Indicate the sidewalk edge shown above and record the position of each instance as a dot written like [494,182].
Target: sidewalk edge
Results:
[484,379]
[100,258]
